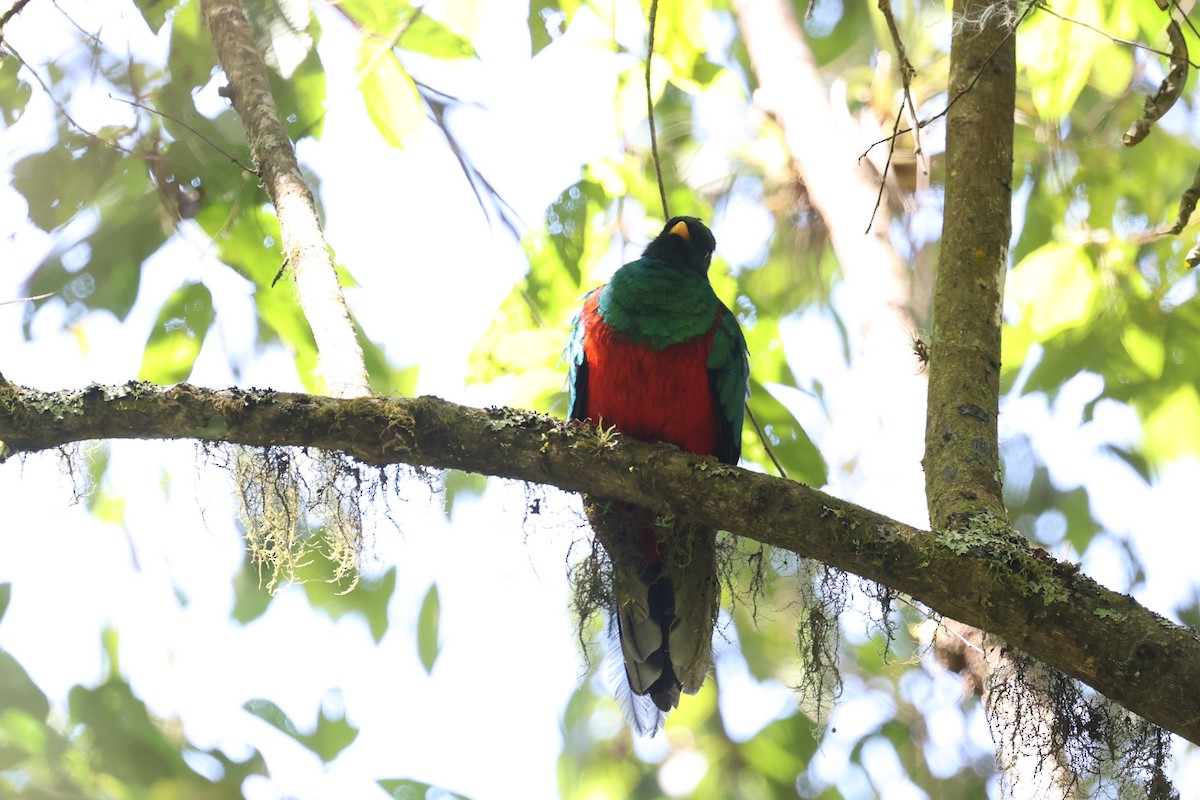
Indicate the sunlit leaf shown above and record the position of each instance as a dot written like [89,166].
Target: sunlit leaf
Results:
[1146,350]
[1171,428]
[1061,274]
[391,97]
[548,20]
[1058,57]
[177,335]
[427,35]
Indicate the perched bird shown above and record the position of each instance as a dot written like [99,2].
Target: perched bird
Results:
[656,355]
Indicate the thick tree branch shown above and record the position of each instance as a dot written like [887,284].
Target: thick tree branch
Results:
[962,453]
[304,246]
[987,577]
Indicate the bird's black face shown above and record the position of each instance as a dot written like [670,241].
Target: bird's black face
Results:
[686,241]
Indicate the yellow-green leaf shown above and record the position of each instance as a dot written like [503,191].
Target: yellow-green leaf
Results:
[177,335]
[1145,349]
[1173,428]
[1058,57]
[1055,287]
[392,100]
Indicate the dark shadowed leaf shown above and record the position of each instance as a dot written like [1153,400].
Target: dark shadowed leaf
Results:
[17,689]
[128,742]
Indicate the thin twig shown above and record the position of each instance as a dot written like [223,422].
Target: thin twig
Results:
[27,299]
[886,166]
[93,37]
[906,74]
[762,437]
[975,79]
[183,124]
[662,189]
[62,109]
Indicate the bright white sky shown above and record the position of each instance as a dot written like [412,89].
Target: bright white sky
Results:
[487,722]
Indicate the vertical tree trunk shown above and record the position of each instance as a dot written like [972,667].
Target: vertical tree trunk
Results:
[962,453]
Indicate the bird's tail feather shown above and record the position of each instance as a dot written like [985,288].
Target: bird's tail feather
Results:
[643,715]
[666,599]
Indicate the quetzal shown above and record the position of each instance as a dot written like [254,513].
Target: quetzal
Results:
[656,355]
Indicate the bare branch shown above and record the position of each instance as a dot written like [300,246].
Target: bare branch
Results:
[305,249]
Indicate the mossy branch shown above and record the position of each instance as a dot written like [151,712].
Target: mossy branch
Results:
[982,573]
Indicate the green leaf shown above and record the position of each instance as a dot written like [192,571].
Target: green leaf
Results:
[104,269]
[5,597]
[407,789]
[369,599]
[374,17]
[332,735]
[392,100]
[1058,58]
[547,21]
[273,715]
[301,96]
[128,742]
[191,58]
[17,689]
[428,644]
[58,182]
[567,223]
[24,738]
[1145,349]
[1055,288]
[177,335]
[1171,428]
[155,11]
[250,599]
[14,92]
[427,35]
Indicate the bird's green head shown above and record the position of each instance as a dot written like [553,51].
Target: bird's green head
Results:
[685,241]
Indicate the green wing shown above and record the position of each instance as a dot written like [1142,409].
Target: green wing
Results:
[729,380]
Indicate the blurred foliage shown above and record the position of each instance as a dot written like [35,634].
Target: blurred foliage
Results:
[1094,293]
[109,745]
[332,734]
